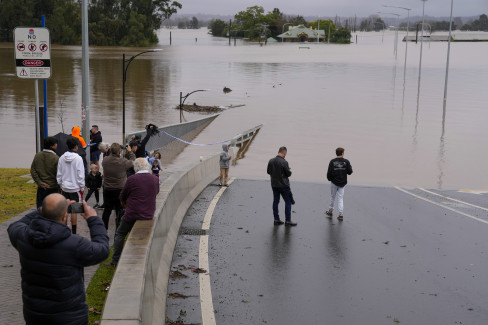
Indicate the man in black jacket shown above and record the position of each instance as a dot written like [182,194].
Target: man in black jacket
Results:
[337,173]
[95,140]
[52,262]
[279,172]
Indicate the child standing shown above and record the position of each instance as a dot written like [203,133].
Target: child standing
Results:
[94,183]
[224,164]
[156,168]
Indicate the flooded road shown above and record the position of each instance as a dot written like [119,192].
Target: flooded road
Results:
[311,100]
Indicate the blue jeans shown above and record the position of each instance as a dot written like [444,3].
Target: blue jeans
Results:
[339,191]
[285,193]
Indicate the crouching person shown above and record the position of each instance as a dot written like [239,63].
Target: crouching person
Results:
[52,261]
[139,197]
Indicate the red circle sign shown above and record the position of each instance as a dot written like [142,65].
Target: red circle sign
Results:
[32,47]
[21,47]
[43,47]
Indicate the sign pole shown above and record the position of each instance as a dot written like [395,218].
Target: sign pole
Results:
[44,82]
[38,125]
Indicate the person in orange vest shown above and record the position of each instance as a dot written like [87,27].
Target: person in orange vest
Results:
[76,133]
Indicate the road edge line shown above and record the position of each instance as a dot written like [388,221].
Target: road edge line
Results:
[440,205]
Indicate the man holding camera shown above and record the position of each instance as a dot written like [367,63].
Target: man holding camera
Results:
[114,175]
[52,261]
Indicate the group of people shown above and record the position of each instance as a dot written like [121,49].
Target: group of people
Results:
[52,256]
[279,172]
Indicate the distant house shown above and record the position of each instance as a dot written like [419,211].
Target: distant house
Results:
[302,34]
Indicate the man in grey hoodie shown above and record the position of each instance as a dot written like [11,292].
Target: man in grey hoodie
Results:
[71,177]
[224,164]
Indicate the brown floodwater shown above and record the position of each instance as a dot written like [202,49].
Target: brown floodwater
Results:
[310,97]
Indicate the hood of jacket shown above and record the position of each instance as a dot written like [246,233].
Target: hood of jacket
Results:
[76,132]
[43,232]
[69,156]
[225,147]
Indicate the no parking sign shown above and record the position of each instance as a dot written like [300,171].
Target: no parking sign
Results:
[32,52]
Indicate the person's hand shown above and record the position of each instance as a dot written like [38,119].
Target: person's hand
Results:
[89,211]
[128,148]
[230,157]
[70,202]
[44,185]
[151,127]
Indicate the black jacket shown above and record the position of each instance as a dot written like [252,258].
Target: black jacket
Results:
[338,170]
[95,140]
[52,261]
[93,182]
[141,146]
[279,171]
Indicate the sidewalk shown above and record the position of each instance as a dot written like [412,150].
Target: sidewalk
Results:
[11,294]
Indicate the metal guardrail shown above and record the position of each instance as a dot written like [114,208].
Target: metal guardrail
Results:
[239,139]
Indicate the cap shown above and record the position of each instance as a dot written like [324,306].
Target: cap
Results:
[138,136]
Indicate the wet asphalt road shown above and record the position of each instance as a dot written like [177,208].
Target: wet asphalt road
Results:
[394,259]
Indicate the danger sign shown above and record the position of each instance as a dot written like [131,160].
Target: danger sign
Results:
[32,52]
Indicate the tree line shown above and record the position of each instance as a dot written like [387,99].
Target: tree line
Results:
[110,22]
[253,24]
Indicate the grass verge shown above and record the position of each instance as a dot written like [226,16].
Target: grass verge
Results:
[16,195]
[98,289]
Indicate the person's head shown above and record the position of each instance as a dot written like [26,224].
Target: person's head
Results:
[55,207]
[93,168]
[94,129]
[133,145]
[282,151]
[156,163]
[72,144]
[340,152]
[138,136]
[103,147]
[76,131]
[141,164]
[157,155]
[115,149]
[50,143]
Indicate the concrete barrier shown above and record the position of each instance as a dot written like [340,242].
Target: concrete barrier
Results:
[139,288]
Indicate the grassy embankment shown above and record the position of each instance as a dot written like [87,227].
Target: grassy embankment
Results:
[17,196]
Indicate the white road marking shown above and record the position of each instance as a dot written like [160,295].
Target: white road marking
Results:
[440,205]
[448,198]
[213,204]
[206,302]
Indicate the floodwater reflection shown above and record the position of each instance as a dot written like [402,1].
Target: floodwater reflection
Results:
[310,101]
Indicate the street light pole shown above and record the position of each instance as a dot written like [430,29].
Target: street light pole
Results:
[183,98]
[448,53]
[395,45]
[125,66]
[283,30]
[406,39]
[421,48]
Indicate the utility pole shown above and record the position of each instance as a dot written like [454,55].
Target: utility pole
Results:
[85,101]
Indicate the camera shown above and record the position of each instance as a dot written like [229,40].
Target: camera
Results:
[76,208]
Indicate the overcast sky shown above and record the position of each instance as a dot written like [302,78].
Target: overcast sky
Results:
[342,8]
